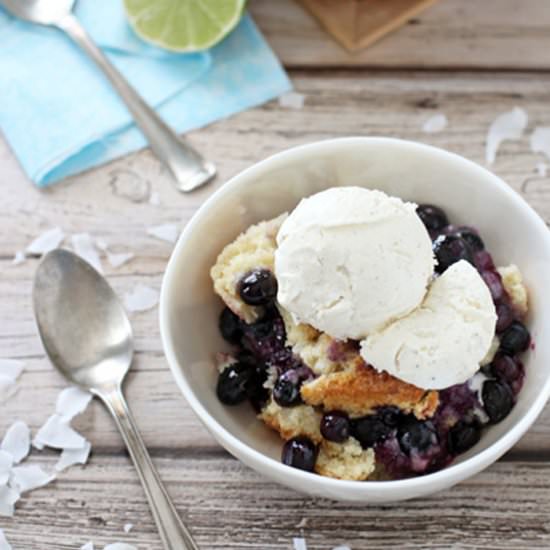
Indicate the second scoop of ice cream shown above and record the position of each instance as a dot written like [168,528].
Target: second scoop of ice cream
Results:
[350,260]
[442,342]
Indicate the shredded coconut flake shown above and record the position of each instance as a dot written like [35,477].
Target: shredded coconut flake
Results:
[27,478]
[115,259]
[70,457]
[540,140]
[10,370]
[47,241]
[435,123]
[101,244]
[118,260]
[72,401]
[128,527]
[302,524]
[166,232]
[57,433]
[4,544]
[8,497]
[84,247]
[292,100]
[6,462]
[120,546]
[17,441]
[506,126]
[542,169]
[18,258]
[299,544]
[141,298]
[154,198]
[87,546]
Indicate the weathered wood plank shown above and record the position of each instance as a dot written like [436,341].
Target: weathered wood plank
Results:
[505,507]
[508,34]
[337,105]
[230,506]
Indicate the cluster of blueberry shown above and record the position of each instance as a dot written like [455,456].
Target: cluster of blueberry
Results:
[261,347]
[404,444]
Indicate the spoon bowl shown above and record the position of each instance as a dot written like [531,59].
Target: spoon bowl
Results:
[44,12]
[88,338]
[81,322]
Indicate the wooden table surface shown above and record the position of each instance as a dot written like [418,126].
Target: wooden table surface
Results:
[471,60]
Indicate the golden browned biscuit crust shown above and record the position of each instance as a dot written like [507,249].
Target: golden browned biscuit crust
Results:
[292,421]
[513,283]
[345,460]
[358,391]
[255,248]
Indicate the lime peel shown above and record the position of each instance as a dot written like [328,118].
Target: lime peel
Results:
[184,25]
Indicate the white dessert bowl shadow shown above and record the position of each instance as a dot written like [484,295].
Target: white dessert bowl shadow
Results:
[470,194]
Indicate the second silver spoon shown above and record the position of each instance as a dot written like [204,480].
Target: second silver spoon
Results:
[88,338]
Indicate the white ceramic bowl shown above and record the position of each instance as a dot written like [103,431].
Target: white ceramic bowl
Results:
[470,194]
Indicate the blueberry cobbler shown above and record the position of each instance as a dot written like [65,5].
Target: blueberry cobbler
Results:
[374,336]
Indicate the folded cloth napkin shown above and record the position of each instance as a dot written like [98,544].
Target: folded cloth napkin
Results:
[61,117]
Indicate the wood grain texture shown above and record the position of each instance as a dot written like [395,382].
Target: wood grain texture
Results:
[502,34]
[229,505]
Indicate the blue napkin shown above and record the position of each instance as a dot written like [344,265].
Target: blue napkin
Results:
[61,117]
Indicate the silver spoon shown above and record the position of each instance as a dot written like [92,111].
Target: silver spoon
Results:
[185,164]
[88,338]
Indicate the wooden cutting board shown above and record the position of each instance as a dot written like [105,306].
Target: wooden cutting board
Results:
[358,23]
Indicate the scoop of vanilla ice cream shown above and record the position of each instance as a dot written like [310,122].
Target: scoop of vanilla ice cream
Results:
[350,260]
[442,342]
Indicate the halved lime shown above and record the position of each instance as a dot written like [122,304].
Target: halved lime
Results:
[184,25]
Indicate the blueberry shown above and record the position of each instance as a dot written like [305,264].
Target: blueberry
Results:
[505,317]
[498,399]
[484,261]
[258,287]
[335,426]
[300,452]
[449,249]
[265,337]
[286,391]
[494,281]
[433,217]
[230,326]
[389,415]
[283,360]
[471,236]
[254,387]
[370,430]
[414,435]
[515,338]
[232,382]
[463,436]
[505,368]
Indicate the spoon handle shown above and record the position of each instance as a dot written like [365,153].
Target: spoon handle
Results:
[173,532]
[186,165]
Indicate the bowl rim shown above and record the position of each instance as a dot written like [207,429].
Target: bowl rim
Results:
[454,472]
